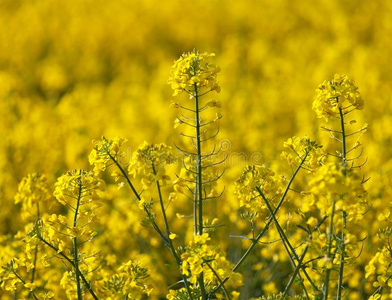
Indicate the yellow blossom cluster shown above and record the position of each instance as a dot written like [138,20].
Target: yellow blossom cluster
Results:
[104,150]
[378,270]
[78,186]
[32,190]
[201,257]
[128,281]
[333,182]
[302,148]
[194,70]
[338,94]
[254,177]
[149,163]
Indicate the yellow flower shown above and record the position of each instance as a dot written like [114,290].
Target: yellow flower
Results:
[339,93]
[201,239]
[196,256]
[130,280]
[253,177]
[105,150]
[31,190]
[192,70]
[77,184]
[301,146]
[149,163]
[333,181]
[30,286]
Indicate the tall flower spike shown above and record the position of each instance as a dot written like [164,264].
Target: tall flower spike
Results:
[194,68]
[339,93]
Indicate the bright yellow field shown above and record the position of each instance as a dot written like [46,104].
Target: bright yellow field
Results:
[73,71]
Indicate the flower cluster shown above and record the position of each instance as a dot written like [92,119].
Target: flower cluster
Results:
[67,282]
[193,69]
[253,177]
[10,279]
[21,273]
[104,151]
[149,163]
[337,94]
[200,257]
[32,190]
[302,148]
[78,186]
[130,281]
[77,190]
[379,268]
[334,182]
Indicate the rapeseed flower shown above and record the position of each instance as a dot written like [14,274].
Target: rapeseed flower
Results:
[340,93]
[149,163]
[193,70]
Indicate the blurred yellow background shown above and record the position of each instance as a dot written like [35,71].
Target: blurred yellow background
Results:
[71,71]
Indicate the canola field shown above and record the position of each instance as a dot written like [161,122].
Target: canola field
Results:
[195,149]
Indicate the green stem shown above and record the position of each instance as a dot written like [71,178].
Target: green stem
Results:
[71,262]
[268,224]
[270,219]
[327,274]
[295,273]
[76,267]
[166,240]
[344,151]
[168,232]
[219,280]
[341,264]
[154,224]
[35,250]
[125,175]
[34,263]
[24,282]
[162,204]
[287,244]
[195,210]
[342,254]
[199,182]
[75,245]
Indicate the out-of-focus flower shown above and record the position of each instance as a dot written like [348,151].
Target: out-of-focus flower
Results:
[32,190]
